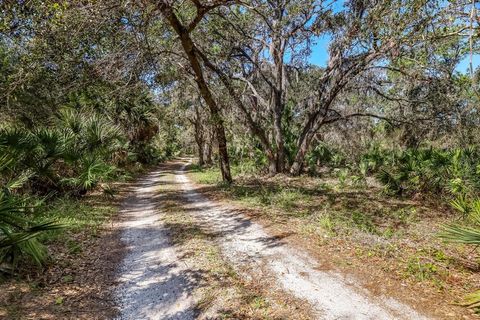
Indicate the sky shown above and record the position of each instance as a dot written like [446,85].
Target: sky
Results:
[319,56]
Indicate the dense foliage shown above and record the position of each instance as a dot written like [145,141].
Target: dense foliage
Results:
[65,128]
[89,88]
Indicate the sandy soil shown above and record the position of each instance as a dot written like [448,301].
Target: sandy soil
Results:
[154,283]
[253,251]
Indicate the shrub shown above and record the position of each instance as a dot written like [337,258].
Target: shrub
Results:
[429,170]
[18,233]
[324,155]
[466,234]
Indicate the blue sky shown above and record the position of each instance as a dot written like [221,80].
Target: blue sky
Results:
[319,56]
[464,65]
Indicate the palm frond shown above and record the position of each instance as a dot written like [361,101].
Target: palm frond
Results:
[461,234]
[461,204]
[17,182]
[16,236]
[390,182]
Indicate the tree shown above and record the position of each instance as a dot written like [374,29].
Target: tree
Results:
[270,42]
[364,34]
[253,41]
[192,53]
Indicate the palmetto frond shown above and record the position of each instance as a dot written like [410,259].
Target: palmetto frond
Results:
[17,182]
[101,134]
[15,243]
[16,140]
[17,234]
[461,204]
[50,142]
[472,300]
[72,120]
[391,182]
[92,170]
[461,234]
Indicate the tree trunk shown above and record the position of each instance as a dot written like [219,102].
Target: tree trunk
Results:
[272,164]
[201,159]
[208,153]
[191,52]
[303,143]
[199,136]
[222,146]
[223,153]
[278,133]
[297,165]
[278,103]
[208,147]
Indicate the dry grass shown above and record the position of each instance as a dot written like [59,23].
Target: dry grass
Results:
[389,244]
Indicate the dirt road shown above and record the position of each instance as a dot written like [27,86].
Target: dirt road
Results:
[155,284]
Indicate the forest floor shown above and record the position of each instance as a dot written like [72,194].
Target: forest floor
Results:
[80,276]
[77,281]
[176,244]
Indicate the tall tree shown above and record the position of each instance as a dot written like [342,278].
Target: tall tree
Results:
[364,34]
[266,44]
[184,32]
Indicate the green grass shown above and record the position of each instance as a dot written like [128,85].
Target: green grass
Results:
[342,216]
[205,175]
[297,202]
[326,223]
[212,175]
[285,201]
[75,215]
[363,222]
[421,270]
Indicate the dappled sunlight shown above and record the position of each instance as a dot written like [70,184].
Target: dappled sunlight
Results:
[245,242]
[254,159]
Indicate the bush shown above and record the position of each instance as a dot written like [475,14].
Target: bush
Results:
[18,234]
[323,155]
[466,234]
[79,152]
[429,170]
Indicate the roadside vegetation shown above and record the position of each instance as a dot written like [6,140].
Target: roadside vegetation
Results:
[354,124]
[69,139]
[80,150]
[410,216]
[75,273]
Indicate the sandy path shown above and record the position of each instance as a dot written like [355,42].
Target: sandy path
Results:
[154,283]
[249,247]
